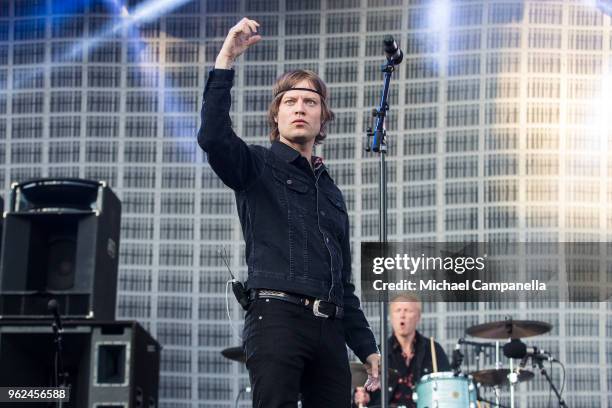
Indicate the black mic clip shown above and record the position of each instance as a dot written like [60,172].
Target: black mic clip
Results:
[240,292]
[369,135]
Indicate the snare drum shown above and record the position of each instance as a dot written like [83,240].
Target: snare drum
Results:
[445,390]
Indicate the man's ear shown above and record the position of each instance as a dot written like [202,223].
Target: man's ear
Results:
[276,119]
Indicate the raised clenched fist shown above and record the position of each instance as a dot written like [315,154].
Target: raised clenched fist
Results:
[239,38]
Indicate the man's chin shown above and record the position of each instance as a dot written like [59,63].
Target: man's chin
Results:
[403,332]
[300,138]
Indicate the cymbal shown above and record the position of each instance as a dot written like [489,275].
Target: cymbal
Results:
[515,329]
[495,377]
[234,354]
[359,375]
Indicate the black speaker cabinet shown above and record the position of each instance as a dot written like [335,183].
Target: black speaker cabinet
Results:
[109,364]
[61,241]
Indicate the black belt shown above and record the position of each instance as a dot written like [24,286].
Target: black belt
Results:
[320,308]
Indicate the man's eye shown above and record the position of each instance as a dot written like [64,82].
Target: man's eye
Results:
[289,102]
[311,103]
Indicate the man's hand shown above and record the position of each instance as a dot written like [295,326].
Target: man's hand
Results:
[239,38]
[361,397]
[372,367]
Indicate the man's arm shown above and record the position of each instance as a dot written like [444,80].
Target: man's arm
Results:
[358,334]
[229,156]
[231,159]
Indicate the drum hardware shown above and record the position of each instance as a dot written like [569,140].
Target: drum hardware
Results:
[513,330]
[475,343]
[491,404]
[540,364]
[500,377]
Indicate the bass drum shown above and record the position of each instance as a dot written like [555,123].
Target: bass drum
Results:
[445,390]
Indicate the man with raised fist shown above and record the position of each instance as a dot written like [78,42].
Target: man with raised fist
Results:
[303,310]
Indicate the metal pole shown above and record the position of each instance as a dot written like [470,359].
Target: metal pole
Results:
[384,304]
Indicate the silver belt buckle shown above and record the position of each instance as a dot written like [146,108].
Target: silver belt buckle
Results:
[315,309]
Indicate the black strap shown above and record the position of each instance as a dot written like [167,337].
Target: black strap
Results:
[300,89]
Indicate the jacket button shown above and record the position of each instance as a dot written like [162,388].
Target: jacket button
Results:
[323,213]
[289,181]
[327,240]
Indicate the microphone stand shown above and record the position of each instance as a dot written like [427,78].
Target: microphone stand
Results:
[543,371]
[379,146]
[58,361]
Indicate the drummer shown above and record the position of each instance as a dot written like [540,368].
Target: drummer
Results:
[409,354]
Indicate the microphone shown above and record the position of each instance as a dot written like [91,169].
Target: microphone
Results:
[536,354]
[392,50]
[517,349]
[539,354]
[53,307]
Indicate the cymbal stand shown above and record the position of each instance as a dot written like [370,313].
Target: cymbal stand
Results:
[513,378]
[498,365]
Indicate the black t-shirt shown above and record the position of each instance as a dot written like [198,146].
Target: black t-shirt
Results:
[404,377]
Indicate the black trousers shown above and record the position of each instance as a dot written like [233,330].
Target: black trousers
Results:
[291,352]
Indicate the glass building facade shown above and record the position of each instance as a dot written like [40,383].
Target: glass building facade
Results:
[499,130]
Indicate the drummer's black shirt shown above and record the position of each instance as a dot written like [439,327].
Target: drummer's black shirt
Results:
[403,369]
[404,376]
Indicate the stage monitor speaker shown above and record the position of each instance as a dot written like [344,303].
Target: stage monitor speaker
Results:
[112,364]
[61,242]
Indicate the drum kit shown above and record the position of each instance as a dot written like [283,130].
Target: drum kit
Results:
[458,389]
[497,378]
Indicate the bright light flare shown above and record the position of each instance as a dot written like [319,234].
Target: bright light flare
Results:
[604,5]
[439,15]
[150,10]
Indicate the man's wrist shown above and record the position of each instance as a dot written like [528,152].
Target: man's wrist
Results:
[223,62]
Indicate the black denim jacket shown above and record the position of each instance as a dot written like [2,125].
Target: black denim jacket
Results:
[294,219]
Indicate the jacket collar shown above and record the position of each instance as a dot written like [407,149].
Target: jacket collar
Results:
[285,152]
[289,154]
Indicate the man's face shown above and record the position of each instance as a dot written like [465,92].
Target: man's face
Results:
[405,316]
[299,114]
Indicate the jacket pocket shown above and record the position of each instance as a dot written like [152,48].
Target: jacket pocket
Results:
[336,200]
[336,212]
[290,182]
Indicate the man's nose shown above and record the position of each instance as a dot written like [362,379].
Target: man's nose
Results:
[299,106]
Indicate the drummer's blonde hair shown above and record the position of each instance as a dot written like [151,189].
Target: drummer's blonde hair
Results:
[407,297]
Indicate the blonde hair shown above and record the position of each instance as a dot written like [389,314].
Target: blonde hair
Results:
[287,81]
[407,297]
